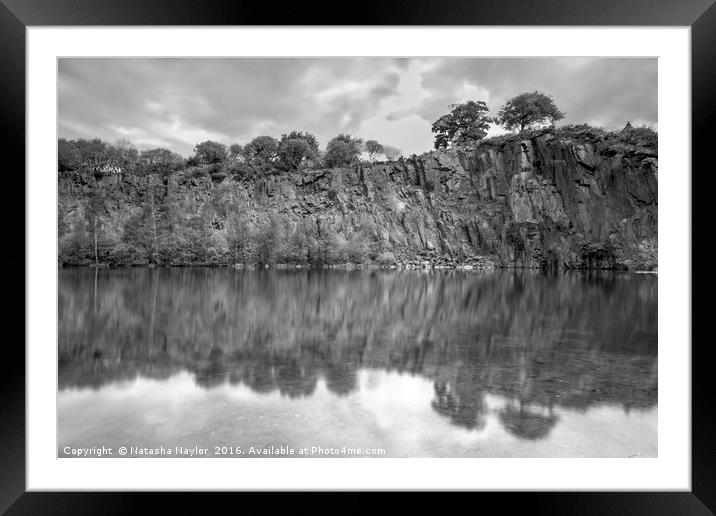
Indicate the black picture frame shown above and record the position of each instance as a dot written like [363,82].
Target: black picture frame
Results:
[17,15]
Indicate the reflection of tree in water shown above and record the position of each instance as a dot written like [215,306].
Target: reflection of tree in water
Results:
[341,379]
[460,391]
[212,371]
[571,340]
[293,380]
[259,377]
[466,411]
[527,424]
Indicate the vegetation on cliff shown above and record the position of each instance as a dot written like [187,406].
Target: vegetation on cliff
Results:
[584,198]
[528,109]
[575,196]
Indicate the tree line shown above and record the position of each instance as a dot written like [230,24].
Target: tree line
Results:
[464,124]
[293,151]
[298,150]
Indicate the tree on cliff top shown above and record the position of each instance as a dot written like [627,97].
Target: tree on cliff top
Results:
[209,152]
[307,137]
[262,150]
[236,151]
[96,156]
[123,156]
[466,123]
[342,150]
[295,148]
[68,157]
[373,148]
[158,161]
[93,155]
[526,109]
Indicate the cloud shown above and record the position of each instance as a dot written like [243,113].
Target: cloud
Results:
[600,91]
[173,102]
[177,102]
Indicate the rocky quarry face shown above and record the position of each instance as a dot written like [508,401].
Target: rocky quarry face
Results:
[541,202]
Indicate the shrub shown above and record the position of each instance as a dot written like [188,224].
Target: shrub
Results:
[598,254]
[126,254]
[640,136]
[386,259]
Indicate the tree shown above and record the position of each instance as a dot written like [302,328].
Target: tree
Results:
[94,212]
[299,241]
[235,151]
[238,234]
[93,155]
[308,137]
[267,239]
[373,148]
[262,150]
[68,157]
[209,152]
[466,123]
[296,147]
[143,230]
[152,205]
[292,152]
[123,156]
[527,109]
[342,150]
[158,161]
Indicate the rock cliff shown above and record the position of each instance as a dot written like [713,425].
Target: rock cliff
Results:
[543,201]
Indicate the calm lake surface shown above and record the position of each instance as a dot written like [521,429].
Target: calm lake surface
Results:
[418,364]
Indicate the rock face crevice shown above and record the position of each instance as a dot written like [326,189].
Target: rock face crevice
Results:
[544,202]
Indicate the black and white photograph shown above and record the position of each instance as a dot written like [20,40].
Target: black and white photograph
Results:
[360,257]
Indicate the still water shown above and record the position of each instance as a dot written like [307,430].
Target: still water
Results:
[396,364]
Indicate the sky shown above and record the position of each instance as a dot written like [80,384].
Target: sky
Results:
[179,102]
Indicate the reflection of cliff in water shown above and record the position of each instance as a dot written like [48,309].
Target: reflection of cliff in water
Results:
[573,340]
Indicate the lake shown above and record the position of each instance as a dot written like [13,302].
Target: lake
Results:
[174,362]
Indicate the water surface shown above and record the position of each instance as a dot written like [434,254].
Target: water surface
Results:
[416,364]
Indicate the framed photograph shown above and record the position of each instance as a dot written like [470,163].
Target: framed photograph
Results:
[419,253]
